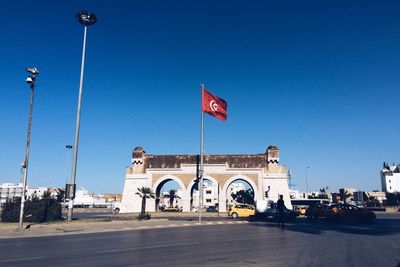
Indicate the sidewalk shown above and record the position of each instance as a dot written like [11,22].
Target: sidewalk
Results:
[93,225]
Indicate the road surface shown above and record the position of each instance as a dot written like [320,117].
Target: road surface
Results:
[304,243]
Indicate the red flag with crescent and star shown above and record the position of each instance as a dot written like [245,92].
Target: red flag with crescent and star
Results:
[214,105]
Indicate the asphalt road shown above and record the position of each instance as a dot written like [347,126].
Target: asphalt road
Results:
[303,243]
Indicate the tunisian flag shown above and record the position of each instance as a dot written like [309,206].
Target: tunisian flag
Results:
[214,105]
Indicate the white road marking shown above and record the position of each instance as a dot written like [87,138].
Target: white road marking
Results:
[172,224]
[220,222]
[150,247]
[186,224]
[210,223]
[23,259]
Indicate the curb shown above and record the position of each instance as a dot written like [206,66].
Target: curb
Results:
[59,231]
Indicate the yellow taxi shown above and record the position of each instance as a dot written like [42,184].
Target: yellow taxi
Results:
[301,210]
[241,210]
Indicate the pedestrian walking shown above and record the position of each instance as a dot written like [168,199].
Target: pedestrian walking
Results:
[281,210]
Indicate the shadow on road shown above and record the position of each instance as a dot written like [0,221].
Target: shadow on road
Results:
[382,226]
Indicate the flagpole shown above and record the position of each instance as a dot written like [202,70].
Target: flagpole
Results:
[200,187]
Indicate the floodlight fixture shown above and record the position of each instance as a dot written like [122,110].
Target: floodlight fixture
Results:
[86,18]
[34,71]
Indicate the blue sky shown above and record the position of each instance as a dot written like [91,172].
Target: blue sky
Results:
[320,79]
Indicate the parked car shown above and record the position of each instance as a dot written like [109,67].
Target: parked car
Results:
[172,209]
[212,209]
[339,212]
[241,210]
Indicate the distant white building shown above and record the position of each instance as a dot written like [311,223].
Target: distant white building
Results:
[10,190]
[210,196]
[390,178]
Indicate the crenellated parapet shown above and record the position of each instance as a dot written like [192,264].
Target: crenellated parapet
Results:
[141,161]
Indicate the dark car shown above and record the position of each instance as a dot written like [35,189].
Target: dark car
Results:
[341,212]
[212,209]
[272,213]
[316,211]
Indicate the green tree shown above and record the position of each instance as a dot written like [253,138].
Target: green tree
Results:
[46,208]
[144,193]
[172,196]
[323,193]
[345,195]
[244,196]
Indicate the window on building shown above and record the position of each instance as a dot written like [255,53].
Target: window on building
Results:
[208,200]
[208,192]
[389,180]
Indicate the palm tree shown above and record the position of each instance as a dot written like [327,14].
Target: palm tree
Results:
[345,195]
[144,192]
[171,195]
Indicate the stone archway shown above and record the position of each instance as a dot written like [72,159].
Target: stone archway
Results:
[161,182]
[191,189]
[223,194]
[261,171]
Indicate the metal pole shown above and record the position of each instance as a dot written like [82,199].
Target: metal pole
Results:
[78,120]
[68,148]
[218,199]
[26,162]
[201,155]
[307,180]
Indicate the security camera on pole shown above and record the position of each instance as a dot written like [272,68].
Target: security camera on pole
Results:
[86,19]
[31,81]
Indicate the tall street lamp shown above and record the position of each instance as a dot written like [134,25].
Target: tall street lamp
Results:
[31,81]
[308,167]
[68,149]
[86,19]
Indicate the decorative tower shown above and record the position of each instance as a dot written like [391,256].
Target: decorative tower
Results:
[273,154]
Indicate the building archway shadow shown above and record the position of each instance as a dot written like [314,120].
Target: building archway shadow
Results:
[380,227]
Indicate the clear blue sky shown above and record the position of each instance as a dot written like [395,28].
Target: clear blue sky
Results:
[320,79]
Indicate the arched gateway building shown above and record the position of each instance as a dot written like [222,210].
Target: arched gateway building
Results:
[262,172]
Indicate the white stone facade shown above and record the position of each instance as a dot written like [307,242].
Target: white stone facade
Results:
[9,191]
[390,178]
[260,171]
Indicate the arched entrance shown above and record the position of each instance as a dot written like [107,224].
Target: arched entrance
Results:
[163,187]
[211,193]
[243,189]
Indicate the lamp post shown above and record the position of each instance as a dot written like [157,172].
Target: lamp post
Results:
[31,81]
[86,19]
[308,167]
[68,149]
